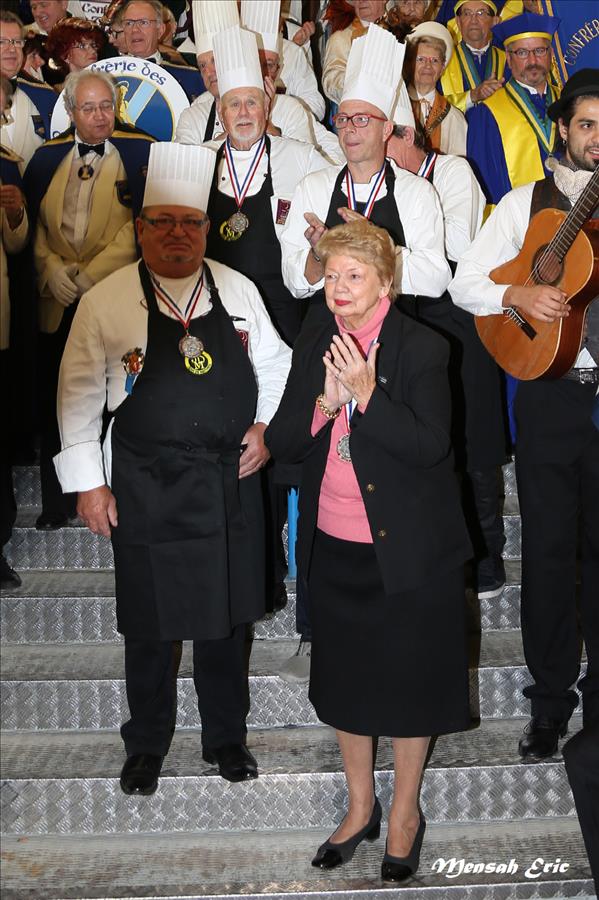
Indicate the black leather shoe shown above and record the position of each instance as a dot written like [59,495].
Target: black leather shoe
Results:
[8,577]
[51,521]
[541,737]
[330,855]
[140,773]
[398,868]
[234,761]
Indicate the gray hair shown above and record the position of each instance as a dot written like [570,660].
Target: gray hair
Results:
[76,78]
[10,18]
[155,4]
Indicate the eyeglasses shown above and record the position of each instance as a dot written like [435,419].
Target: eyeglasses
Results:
[474,13]
[11,42]
[167,223]
[521,53]
[82,46]
[433,60]
[88,109]
[358,120]
[141,23]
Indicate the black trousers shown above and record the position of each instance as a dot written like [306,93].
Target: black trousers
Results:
[581,756]
[54,502]
[220,679]
[557,469]
[8,506]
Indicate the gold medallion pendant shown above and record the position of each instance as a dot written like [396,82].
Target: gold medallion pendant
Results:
[233,227]
[199,365]
[85,172]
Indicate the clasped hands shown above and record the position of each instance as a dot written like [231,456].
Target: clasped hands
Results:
[348,375]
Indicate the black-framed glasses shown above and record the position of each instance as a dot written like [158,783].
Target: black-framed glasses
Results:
[522,53]
[167,223]
[358,120]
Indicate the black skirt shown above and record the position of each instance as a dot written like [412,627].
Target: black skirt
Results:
[385,665]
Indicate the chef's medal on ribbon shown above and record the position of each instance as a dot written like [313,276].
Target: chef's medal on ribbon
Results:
[238,223]
[351,194]
[191,348]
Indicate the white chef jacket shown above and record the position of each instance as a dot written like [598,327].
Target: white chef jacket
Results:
[499,240]
[286,113]
[299,79]
[421,264]
[111,321]
[462,202]
[290,161]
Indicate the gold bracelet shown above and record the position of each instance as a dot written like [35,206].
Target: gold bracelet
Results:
[329,413]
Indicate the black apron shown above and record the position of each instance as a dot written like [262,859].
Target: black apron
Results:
[209,132]
[188,548]
[478,420]
[257,253]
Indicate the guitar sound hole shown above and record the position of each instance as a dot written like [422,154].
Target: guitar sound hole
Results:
[547,267]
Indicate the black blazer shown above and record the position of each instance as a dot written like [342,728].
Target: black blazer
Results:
[400,448]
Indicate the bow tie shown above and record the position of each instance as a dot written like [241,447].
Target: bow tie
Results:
[89,148]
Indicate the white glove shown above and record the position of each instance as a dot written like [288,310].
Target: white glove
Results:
[61,285]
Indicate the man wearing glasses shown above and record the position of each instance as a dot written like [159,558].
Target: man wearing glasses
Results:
[510,135]
[83,189]
[27,124]
[367,185]
[476,69]
[143,29]
[192,369]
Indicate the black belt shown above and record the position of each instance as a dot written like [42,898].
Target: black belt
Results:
[583,376]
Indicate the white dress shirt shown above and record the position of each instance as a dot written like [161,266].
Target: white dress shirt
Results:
[462,202]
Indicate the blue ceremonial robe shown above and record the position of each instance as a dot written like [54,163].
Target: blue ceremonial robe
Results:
[43,98]
[188,77]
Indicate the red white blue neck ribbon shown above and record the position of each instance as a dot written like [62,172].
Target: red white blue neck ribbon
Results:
[240,190]
[190,306]
[428,164]
[351,194]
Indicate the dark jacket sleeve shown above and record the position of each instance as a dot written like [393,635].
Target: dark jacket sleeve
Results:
[416,428]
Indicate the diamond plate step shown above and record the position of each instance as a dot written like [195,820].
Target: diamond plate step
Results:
[277,865]
[78,605]
[28,489]
[80,685]
[462,783]
[74,547]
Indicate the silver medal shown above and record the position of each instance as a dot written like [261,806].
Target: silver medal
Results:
[190,346]
[238,222]
[343,448]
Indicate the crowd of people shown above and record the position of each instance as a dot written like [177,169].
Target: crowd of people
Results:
[286,294]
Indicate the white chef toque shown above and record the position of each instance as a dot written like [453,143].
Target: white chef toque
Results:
[262,17]
[211,17]
[403,114]
[179,175]
[374,68]
[236,60]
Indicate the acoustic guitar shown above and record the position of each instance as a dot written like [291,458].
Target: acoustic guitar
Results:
[560,249]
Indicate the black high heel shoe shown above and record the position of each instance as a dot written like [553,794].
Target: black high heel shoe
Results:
[329,855]
[398,868]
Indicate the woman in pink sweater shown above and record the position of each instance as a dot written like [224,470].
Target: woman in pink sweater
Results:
[381,535]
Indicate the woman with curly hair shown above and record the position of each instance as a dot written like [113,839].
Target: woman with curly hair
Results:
[73,44]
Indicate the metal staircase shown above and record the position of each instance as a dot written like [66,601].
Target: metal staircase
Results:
[69,831]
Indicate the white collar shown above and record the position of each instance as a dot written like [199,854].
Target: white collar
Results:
[531,90]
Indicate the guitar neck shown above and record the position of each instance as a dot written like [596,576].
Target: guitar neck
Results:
[576,218]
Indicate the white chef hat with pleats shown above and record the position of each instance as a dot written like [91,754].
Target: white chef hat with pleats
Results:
[373,69]
[262,17]
[236,60]
[179,175]
[210,17]
[403,114]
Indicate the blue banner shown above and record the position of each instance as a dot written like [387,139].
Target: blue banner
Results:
[576,43]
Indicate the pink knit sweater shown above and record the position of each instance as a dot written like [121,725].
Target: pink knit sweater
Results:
[341,511]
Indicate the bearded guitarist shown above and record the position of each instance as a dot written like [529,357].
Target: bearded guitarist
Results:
[557,447]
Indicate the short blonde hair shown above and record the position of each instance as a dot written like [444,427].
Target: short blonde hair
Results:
[365,242]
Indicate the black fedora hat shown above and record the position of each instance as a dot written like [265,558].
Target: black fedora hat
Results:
[586,81]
